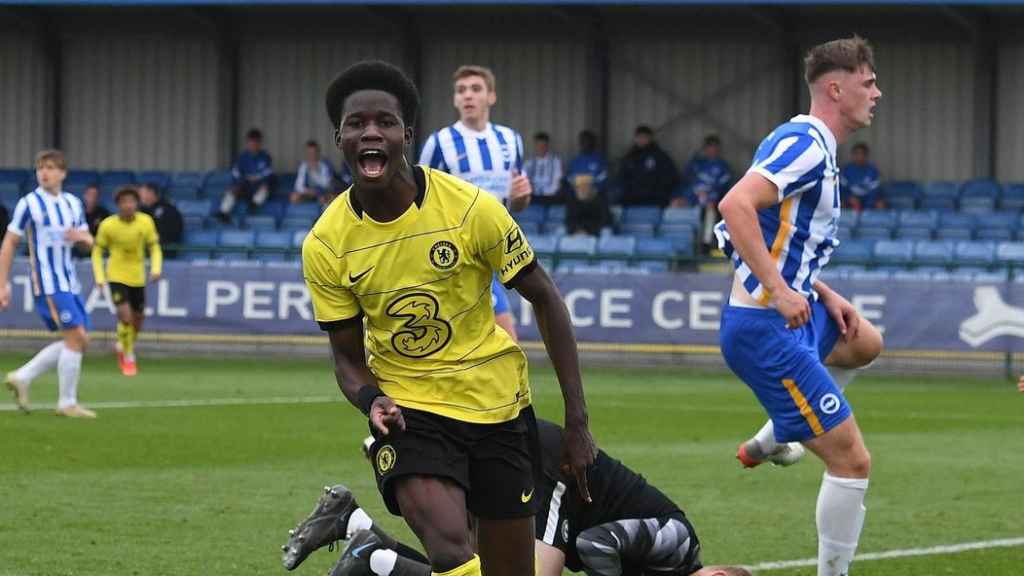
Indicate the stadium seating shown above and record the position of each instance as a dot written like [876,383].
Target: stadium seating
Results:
[675,216]
[216,182]
[894,252]
[642,229]
[544,244]
[276,240]
[975,253]
[577,245]
[655,247]
[1012,197]
[936,252]
[532,213]
[194,208]
[854,252]
[298,236]
[616,246]
[555,213]
[641,215]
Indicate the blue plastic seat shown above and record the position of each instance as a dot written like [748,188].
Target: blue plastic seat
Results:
[182,192]
[81,178]
[976,253]
[653,266]
[642,214]
[201,237]
[216,182]
[306,210]
[529,228]
[877,219]
[544,244]
[995,234]
[848,219]
[1010,253]
[261,223]
[918,219]
[941,203]
[552,228]
[873,233]
[677,229]
[1008,220]
[901,203]
[117,178]
[942,189]
[977,205]
[270,239]
[616,246]
[188,178]
[956,220]
[532,213]
[555,213]
[237,238]
[9,194]
[158,177]
[690,215]
[193,207]
[577,245]
[980,188]
[854,252]
[878,275]
[15,175]
[1012,196]
[913,233]
[933,252]
[285,184]
[639,229]
[992,276]
[954,234]
[296,223]
[298,236]
[891,252]
[902,189]
[655,247]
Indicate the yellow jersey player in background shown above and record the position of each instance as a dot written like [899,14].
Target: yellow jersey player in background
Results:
[127,235]
[399,268]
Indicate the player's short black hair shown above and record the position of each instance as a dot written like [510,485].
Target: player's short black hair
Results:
[712,140]
[643,129]
[542,136]
[254,134]
[126,191]
[373,75]
[154,187]
[861,146]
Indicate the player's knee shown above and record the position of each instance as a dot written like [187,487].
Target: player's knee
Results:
[860,463]
[871,346]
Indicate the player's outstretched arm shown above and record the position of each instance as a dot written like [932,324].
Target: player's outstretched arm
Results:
[357,383]
[739,210]
[578,449]
[7,251]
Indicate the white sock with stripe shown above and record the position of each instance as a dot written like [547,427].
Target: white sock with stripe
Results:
[840,517]
[41,362]
[766,438]
[69,368]
[382,562]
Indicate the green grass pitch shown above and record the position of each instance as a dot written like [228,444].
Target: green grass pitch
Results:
[213,489]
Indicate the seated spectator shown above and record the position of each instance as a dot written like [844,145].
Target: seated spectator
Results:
[648,175]
[586,210]
[315,180]
[169,223]
[253,174]
[859,181]
[344,181]
[545,172]
[94,214]
[705,180]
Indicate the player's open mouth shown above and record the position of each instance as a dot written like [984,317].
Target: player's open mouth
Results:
[372,163]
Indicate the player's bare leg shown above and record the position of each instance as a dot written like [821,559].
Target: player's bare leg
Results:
[435,510]
[69,369]
[840,509]
[508,324]
[506,546]
[844,363]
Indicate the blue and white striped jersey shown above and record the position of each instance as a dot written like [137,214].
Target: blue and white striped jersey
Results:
[487,159]
[799,157]
[43,219]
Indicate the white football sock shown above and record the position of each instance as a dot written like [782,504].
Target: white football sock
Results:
[843,376]
[359,520]
[382,562]
[840,517]
[766,438]
[41,362]
[69,367]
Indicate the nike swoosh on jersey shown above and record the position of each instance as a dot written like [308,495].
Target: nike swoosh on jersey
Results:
[358,277]
[527,497]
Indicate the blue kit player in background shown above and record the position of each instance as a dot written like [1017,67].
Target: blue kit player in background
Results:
[481,153]
[52,222]
[782,325]
[860,180]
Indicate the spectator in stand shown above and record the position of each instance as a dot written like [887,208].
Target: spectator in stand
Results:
[545,172]
[315,181]
[859,181]
[169,223]
[94,214]
[648,174]
[587,203]
[705,180]
[253,176]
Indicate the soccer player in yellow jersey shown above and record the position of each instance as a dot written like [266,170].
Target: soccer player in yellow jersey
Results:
[399,268]
[127,235]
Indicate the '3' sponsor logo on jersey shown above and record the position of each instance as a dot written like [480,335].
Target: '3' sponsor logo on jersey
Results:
[422,333]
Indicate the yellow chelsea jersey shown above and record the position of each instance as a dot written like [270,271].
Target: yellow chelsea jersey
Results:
[422,283]
[127,243]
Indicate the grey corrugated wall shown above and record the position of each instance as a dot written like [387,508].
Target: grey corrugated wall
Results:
[924,126]
[282,86]
[686,89]
[1010,128]
[25,100]
[540,66]
[141,102]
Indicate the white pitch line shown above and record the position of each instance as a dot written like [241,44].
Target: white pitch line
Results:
[193,403]
[930,551]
